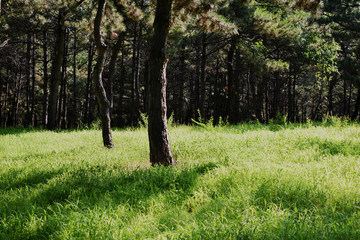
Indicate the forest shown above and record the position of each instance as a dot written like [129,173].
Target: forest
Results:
[260,100]
[238,61]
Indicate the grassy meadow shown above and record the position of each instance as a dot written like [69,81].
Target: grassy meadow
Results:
[247,181]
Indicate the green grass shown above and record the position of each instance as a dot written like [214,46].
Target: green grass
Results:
[236,182]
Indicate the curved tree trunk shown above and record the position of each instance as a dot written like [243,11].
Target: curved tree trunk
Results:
[160,151]
[104,103]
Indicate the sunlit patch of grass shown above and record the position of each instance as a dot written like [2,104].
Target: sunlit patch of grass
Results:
[248,181]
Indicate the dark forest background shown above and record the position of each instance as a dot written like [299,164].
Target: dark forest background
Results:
[234,61]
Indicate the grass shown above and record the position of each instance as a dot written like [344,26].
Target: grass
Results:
[233,182]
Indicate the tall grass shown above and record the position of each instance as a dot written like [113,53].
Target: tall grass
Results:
[247,181]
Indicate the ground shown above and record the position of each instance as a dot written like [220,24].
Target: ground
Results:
[247,181]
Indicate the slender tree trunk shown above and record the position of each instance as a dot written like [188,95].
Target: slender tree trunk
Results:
[231,87]
[197,79]
[17,101]
[100,92]
[74,120]
[160,151]
[33,83]
[293,99]
[134,112]
[27,72]
[56,69]
[5,105]
[182,82]
[46,83]
[89,85]
[332,83]
[355,114]
[114,56]
[202,75]
[63,88]
[1,85]
[121,84]
[289,100]
[235,108]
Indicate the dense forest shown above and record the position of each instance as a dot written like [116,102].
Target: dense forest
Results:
[65,64]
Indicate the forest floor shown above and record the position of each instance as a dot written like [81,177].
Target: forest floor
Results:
[247,181]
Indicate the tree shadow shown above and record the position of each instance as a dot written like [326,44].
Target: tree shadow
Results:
[91,186]
[18,130]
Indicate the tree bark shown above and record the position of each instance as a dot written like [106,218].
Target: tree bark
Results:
[135,109]
[56,69]
[100,92]
[46,83]
[88,95]
[231,87]
[27,72]
[160,150]
[355,114]
[202,75]
[63,88]
[74,120]
[33,83]
[114,56]
[332,83]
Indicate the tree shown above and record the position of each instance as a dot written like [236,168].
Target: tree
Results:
[160,150]
[100,92]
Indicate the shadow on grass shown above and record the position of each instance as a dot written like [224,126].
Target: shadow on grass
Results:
[18,130]
[90,187]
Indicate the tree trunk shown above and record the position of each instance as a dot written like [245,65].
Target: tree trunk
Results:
[88,95]
[355,114]
[74,120]
[56,69]
[46,83]
[202,75]
[33,83]
[231,87]
[332,83]
[182,82]
[121,84]
[160,151]
[134,112]
[63,88]
[100,92]
[5,105]
[27,72]
[114,55]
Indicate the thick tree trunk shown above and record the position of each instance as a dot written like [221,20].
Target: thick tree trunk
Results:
[56,69]
[46,83]
[100,92]
[160,151]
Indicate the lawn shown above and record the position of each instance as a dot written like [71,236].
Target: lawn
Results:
[234,182]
